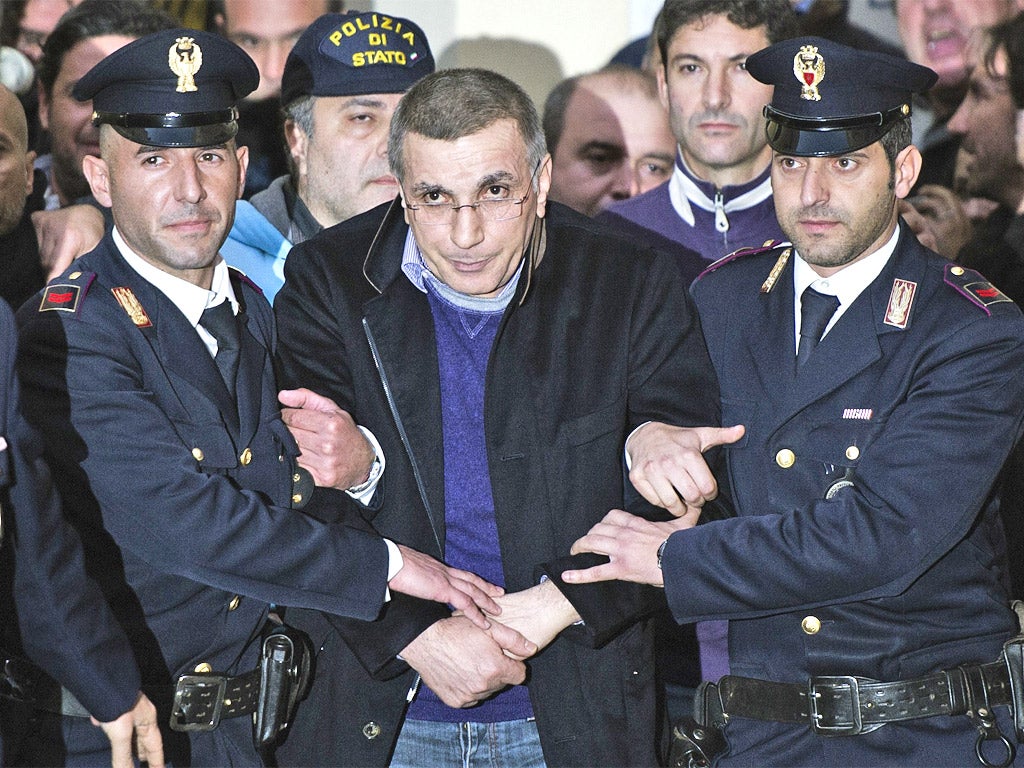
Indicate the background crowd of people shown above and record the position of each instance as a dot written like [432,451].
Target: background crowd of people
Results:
[407,364]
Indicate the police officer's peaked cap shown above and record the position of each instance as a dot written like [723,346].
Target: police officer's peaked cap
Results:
[176,88]
[353,54]
[830,98]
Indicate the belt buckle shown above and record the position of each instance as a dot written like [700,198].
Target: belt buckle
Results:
[838,684]
[191,693]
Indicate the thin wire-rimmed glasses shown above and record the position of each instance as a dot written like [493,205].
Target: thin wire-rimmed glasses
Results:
[493,209]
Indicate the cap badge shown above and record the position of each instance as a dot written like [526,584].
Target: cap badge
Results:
[809,68]
[185,58]
[900,301]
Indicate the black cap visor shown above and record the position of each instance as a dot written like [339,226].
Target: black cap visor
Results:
[804,137]
[203,129]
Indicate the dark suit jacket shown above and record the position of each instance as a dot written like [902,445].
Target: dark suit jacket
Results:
[880,522]
[180,497]
[600,337]
[65,625]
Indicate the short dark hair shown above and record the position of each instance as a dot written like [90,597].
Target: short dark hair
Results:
[1009,37]
[453,103]
[628,79]
[776,16]
[94,18]
[897,139]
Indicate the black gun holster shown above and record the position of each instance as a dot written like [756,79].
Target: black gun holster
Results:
[286,671]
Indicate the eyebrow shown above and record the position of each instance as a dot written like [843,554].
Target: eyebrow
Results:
[497,177]
[147,149]
[363,101]
[681,57]
[605,145]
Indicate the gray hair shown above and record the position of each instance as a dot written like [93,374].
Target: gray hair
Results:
[453,103]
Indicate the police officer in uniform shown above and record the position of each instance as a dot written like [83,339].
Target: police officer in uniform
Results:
[881,390]
[148,368]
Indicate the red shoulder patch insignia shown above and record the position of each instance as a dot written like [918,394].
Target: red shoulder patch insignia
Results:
[974,287]
[60,297]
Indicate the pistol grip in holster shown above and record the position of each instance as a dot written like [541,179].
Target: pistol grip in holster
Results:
[285,676]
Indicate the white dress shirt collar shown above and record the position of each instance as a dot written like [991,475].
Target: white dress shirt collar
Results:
[846,284]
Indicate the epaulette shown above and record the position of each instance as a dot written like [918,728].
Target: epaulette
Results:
[239,274]
[974,287]
[740,253]
[66,292]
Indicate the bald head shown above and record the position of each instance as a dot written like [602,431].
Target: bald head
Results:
[12,119]
[15,161]
[609,137]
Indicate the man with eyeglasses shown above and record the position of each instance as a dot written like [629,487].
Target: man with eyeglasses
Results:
[501,347]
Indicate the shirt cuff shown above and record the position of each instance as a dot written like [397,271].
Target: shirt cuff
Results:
[363,492]
[625,448]
[395,563]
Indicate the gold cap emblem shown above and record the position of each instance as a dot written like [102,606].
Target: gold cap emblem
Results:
[809,68]
[185,58]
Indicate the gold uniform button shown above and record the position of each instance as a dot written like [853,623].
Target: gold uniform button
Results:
[296,498]
[203,668]
[296,477]
[811,625]
[957,271]
[246,457]
[74,275]
[785,458]
[371,730]
[853,453]
[234,603]
[197,454]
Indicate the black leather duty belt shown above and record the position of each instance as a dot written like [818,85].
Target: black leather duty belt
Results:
[846,706]
[201,701]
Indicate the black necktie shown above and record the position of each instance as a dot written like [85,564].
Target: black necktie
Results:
[220,322]
[816,309]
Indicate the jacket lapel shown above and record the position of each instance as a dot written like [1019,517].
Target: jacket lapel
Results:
[176,344]
[854,343]
[769,338]
[400,329]
[187,360]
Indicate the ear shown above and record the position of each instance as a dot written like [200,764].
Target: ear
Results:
[242,153]
[663,87]
[298,145]
[30,159]
[44,108]
[908,167]
[543,185]
[97,173]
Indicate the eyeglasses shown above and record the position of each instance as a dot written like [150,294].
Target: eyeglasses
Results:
[492,209]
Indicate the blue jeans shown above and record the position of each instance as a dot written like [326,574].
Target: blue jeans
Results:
[515,744]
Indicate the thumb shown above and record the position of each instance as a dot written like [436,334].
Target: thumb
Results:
[715,436]
[306,398]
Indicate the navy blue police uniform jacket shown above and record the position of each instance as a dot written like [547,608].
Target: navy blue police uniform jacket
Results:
[599,337]
[51,611]
[181,499]
[868,540]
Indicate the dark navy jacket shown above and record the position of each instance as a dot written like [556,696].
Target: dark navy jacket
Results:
[864,487]
[600,337]
[65,625]
[182,500]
